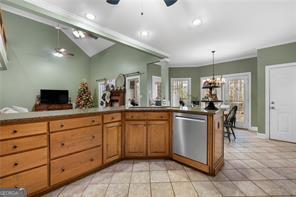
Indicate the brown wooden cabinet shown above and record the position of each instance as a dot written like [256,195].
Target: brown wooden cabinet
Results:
[135,138]
[112,142]
[158,138]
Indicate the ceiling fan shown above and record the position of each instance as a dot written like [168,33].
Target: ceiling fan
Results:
[59,51]
[167,2]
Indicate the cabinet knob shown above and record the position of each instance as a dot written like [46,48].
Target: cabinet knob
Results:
[91,159]
[62,169]
[15,164]
[112,117]
[93,121]
[62,143]
[14,131]
[14,146]
[93,137]
[62,125]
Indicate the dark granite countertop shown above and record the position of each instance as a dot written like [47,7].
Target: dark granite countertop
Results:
[51,115]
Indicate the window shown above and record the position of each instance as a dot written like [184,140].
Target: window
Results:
[180,91]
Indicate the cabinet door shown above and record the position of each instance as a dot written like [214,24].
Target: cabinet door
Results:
[112,142]
[135,138]
[158,138]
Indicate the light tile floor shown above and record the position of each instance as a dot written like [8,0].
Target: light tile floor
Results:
[253,167]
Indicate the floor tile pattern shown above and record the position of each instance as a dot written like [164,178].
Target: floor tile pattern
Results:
[253,167]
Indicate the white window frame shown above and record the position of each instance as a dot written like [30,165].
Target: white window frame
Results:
[189,87]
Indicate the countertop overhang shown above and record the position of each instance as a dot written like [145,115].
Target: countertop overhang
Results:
[15,118]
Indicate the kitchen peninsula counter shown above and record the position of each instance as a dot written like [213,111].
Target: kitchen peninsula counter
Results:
[42,151]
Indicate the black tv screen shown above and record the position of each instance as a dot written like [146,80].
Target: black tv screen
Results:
[54,96]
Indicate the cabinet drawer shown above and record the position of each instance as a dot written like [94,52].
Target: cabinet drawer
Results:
[112,117]
[19,130]
[157,115]
[32,180]
[22,144]
[22,161]
[135,116]
[73,123]
[71,141]
[74,165]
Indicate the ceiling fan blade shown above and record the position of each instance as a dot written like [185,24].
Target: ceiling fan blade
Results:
[68,53]
[92,36]
[113,2]
[169,2]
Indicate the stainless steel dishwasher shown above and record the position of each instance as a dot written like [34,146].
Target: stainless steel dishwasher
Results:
[191,136]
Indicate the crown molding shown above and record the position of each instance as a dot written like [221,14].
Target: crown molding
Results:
[216,62]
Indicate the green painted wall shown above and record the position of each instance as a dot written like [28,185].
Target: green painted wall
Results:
[120,59]
[239,66]
[32,66]
[269,56]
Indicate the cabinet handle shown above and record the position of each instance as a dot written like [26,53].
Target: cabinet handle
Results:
[218,125]
[14,131]
[14,146]
[62,143]
[132,116]
[15,164]
[62,169]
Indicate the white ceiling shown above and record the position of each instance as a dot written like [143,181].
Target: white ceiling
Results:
[234,28]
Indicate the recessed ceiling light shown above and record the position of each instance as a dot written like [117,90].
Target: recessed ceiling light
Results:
[90,16]
[144,34]
[196,22]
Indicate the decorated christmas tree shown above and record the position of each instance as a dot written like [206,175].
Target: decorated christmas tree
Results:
[84,98]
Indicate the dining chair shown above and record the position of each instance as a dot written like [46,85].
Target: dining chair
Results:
[229,122]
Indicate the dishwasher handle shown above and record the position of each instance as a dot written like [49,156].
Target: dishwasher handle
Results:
[190,119]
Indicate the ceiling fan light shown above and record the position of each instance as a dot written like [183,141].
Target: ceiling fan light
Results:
[81,34]
[113,2]
[58,54]
[169,2]
[75,33]
[62,50]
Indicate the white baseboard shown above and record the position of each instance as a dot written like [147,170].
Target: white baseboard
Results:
[254,129]
[261,135]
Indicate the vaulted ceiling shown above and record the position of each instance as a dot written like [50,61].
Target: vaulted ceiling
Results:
[234,28]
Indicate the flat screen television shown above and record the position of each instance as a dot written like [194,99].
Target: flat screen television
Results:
[54,96]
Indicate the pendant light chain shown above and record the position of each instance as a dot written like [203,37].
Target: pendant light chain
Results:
[213,52]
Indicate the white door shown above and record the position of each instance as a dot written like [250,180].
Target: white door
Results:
[282,103]
[132,94]
[236,92]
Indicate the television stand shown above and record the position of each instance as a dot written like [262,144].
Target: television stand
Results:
[51,107]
